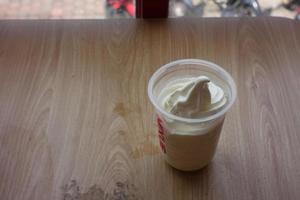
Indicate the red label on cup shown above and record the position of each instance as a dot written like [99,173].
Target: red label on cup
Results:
[161,134]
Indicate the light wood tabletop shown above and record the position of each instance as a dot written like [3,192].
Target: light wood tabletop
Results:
[76,122]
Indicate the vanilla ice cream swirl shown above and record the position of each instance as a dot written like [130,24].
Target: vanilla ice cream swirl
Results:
[193,97]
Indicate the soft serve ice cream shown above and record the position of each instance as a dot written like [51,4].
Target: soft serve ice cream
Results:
[193,97]
[191,147]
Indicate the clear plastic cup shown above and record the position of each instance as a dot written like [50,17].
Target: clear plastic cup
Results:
[189,144]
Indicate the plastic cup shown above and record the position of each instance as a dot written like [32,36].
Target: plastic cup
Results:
[189,144]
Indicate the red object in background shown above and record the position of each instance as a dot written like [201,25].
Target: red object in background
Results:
[116,5]
[152,8]
[123,4]
[130,8]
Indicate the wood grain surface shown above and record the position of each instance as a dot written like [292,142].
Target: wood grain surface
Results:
[76,123]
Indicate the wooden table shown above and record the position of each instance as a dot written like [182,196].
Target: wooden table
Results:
[76,123]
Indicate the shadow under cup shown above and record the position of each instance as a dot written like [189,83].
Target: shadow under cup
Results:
[189,144]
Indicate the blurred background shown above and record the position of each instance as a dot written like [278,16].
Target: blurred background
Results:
[99,9]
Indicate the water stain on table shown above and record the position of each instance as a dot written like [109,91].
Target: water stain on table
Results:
[146,147]
[121,191]
[121,109]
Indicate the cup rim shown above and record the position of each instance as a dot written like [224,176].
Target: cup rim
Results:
[205,63]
